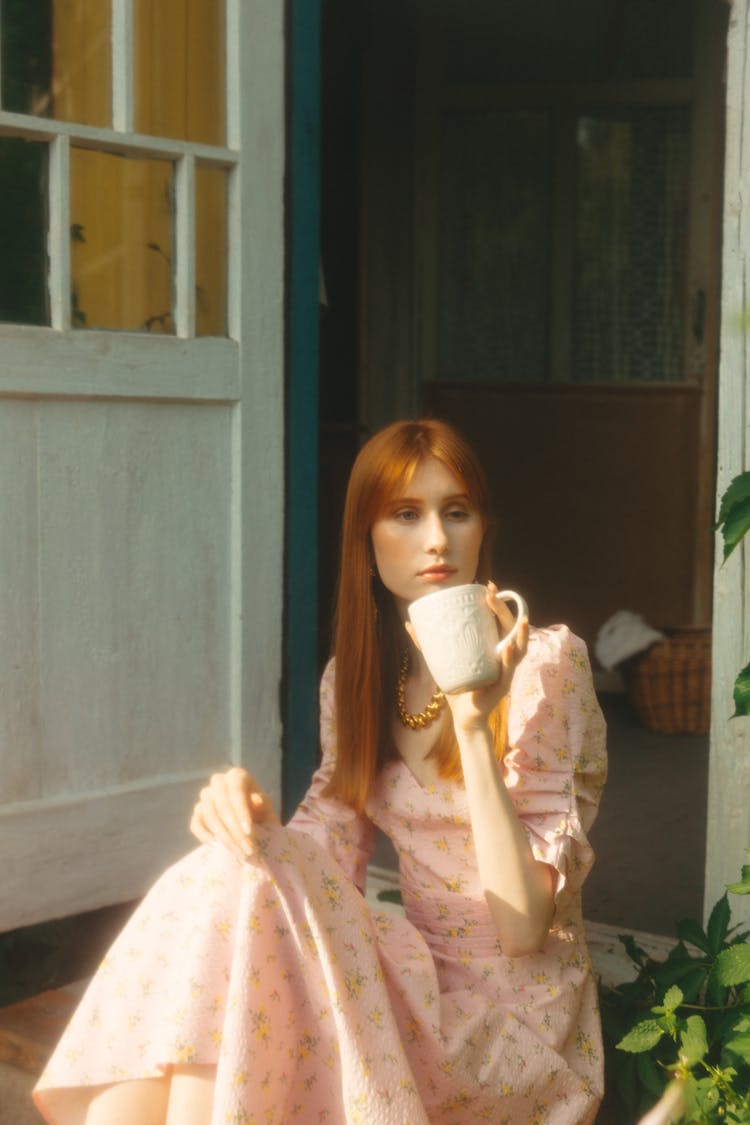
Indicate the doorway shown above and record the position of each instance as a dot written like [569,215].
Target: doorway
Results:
[520,233]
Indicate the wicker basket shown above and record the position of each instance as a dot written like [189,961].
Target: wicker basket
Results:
[670,684]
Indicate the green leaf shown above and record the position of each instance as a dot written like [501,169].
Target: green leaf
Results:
[742,699]
[693,1041]
[651,1077]
[736,492]
[739,1046]
[732,966]
[701,1095]
[688,930]
[734,513]
[692,984]
[391,894]
[718,924]
[743,887]
[672,1000]
[643,1037]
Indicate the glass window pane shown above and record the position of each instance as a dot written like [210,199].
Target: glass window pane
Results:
[24,295]
[630,244]
[211,251]
[179,69]
[56,59]
[494,246]
[121,261]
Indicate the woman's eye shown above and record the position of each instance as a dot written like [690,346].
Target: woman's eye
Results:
[406,515]
[457,514]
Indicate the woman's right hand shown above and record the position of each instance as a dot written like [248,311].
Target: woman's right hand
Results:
[227,809]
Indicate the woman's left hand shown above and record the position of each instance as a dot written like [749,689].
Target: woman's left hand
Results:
[470,709]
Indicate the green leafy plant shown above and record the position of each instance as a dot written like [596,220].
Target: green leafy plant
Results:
[734,521]
[686,1018]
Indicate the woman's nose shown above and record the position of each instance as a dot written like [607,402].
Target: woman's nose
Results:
[437,540]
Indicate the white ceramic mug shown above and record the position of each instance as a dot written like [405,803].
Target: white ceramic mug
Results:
[457,633]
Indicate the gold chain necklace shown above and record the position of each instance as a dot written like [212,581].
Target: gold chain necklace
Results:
[422,718]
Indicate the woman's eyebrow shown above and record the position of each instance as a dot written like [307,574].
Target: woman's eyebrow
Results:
[451,499]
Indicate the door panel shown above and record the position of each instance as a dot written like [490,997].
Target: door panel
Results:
[141,471]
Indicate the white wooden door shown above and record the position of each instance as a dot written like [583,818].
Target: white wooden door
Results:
[141,437]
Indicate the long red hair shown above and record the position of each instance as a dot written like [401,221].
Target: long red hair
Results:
[368,634]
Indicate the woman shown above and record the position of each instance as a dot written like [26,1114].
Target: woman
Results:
[253,984]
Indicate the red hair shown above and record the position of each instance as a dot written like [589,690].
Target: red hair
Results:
[368,634]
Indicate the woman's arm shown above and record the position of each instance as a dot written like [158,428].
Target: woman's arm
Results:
[519,889]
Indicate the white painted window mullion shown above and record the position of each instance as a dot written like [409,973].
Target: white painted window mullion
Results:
[122,65]
[232,72]
[58,235]
[184,241]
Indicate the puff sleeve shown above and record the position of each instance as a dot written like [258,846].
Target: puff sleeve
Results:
[556,765]
[346,835]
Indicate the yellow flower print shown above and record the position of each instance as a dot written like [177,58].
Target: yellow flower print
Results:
[216,1036]
[237,1117]
[539,978]
[585,1047]
[223,927]
[355,982]
[413,1030]
[455,885]
[375,1017]
[540,1113]
[261,1024]
[185,1052]
[442,844]
[332,891]
[306,1045]
[241,1078]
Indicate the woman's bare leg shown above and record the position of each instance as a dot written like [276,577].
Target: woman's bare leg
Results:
[144,1100]
[191,1095]
[183,1097]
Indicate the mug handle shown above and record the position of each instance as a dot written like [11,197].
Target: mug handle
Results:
[523,611]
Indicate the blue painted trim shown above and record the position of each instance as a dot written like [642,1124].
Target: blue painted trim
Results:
[300,695]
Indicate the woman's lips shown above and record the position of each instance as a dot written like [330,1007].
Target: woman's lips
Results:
[437,573]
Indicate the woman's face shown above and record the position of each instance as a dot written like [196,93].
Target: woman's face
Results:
[429,538]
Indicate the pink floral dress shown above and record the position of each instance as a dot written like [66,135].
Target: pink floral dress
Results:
[313,1008]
